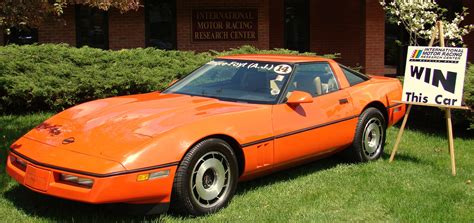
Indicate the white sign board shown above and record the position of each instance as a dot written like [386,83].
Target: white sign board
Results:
[435,75]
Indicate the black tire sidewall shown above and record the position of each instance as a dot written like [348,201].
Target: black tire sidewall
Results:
[358,139]
[183,191]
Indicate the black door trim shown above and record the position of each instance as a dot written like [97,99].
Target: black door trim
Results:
[298,131]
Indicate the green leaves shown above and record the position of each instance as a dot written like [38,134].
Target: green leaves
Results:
[31,13]
[469,94]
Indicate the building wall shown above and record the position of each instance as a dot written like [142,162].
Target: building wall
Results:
[61,30]
[184,31]
[338,31]
[126,30]
[356,31]
[373,51]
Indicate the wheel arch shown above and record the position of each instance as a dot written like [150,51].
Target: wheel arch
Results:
[381,107]
[234,144]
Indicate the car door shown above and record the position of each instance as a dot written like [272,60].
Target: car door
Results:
[308,129]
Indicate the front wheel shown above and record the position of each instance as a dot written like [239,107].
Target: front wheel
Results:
[206,179]
[369,139]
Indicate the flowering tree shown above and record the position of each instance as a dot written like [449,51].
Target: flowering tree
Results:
[18,13]
[419,19]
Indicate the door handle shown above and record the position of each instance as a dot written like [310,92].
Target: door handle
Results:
[343,101]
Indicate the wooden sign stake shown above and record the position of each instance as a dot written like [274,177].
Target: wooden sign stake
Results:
[437,30]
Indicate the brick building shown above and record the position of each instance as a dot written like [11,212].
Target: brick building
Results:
[353,28]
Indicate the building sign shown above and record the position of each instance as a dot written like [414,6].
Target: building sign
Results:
[225,24]
[435,75]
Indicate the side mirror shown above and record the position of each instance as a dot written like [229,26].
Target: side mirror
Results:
[299,97]
[172,82]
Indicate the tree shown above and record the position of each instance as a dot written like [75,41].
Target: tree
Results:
[419,17]
[31,13]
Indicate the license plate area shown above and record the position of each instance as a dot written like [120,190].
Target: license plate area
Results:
[37,178]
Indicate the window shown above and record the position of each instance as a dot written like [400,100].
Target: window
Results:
[91,27]
[353,77]
[314,78]
[297,25]
[22,36]
[160,24]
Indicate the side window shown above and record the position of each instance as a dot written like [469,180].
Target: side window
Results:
[91,27]
[160,24]
[314,78]
[353,77]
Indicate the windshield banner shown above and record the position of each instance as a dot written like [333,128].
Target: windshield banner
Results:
[279,69]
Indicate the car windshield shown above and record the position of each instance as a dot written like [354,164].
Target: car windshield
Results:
[232,80]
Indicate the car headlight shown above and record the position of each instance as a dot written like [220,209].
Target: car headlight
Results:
[80,181]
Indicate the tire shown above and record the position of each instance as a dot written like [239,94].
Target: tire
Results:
[206,178]
[369,138]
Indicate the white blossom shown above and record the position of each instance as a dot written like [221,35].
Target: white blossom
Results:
[419,18]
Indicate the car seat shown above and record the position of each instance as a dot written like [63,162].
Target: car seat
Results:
[309,83]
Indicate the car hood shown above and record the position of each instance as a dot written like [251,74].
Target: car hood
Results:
[109,128]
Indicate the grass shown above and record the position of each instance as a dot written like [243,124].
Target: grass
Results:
[417,187]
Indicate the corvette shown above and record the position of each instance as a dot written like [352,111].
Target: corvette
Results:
[233,119]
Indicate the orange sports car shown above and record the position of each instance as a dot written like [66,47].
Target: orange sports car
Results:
[234,118]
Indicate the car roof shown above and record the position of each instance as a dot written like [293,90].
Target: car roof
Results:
[276,58]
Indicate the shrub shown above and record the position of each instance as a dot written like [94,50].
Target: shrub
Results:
[465,118]
[469,95]
[54,77]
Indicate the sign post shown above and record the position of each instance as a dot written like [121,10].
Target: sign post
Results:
[434,76]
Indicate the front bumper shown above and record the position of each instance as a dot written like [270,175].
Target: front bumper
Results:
[123,188]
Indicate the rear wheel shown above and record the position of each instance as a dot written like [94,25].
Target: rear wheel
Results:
[206,179]
[369,139]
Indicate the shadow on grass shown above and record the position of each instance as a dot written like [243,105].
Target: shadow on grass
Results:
[431,120]
[57,209]
[405,158]
[292,173]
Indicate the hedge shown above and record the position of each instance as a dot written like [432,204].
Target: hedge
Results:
[53,77]
[469,95]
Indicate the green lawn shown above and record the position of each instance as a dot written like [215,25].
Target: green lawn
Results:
[418,187]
